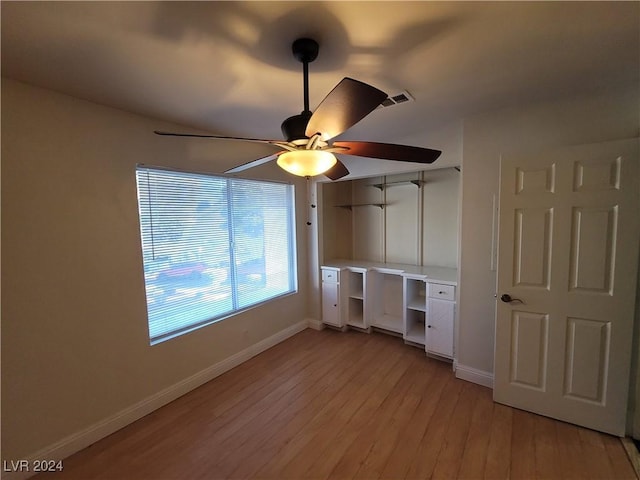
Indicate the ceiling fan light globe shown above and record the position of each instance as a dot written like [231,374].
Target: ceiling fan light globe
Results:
[306,163]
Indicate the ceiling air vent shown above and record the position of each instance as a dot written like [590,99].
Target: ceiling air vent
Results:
[396,99]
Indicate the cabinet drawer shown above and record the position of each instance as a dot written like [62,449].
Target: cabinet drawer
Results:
[330,276]
[443,292]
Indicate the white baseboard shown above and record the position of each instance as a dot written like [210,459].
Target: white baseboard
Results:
[82,439]
[315,324]
[474,375]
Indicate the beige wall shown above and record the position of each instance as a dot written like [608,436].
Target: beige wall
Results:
[441,199]
[336,232]
[75,348]
[402,219]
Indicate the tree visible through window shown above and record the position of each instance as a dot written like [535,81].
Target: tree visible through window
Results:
[212,246]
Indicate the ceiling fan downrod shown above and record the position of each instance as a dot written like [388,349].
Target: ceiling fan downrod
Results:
[305,50]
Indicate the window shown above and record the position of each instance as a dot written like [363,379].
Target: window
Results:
[212,246]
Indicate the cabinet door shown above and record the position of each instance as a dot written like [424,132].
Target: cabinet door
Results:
[331,304]
[439,331]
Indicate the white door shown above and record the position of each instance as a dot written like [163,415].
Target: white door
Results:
[568,256]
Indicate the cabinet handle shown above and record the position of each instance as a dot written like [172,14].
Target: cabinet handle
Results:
[428,326]
[441,293]
[335,304]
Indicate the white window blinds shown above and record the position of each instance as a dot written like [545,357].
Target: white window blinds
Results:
[212,246]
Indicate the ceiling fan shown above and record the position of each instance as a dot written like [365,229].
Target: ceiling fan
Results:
[308,149]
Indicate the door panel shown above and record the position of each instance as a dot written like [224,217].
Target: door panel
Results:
[596,174]
[592,255]
[529,344]
[535,180]
[568,252]
[532,258]
[588,343]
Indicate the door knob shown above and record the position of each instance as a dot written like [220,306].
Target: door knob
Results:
[506,298]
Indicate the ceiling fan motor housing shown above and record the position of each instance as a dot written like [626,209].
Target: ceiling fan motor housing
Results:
[293,128]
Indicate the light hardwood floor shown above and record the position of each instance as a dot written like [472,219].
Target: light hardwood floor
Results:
[346,405]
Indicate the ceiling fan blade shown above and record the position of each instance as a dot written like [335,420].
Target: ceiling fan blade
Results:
[389,151]
[221,137]
[348,103]
[337,171]
[253,163]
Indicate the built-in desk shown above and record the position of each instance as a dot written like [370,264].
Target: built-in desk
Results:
[415,301]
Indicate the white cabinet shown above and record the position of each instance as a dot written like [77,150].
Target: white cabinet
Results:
[393,298]
[429,312]
[343,297]
[440,317]
[330,304]
[331,301]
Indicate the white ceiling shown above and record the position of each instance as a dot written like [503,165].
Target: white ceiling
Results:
[227,67]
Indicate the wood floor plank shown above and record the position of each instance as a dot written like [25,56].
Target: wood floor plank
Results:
[270,444]
[570,453]
[407,445]
[329,404]
[355,453]
[155,448]
[621,465]
[474,456]
[228,452]
[426,455]
[546,448]
[523,463]
[498,461]
[595,454]
[372,447]
[220,430]
[455,437]
[340,439]
[302,448]
[277,412]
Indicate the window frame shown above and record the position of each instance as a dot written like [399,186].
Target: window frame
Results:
[292,252]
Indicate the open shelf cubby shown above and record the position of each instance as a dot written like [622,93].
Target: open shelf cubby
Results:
[356,285]
[415,327]
[386,291]
[356,313]
[416,297]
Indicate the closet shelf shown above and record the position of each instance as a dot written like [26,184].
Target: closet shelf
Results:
[382,186]
[349,206]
